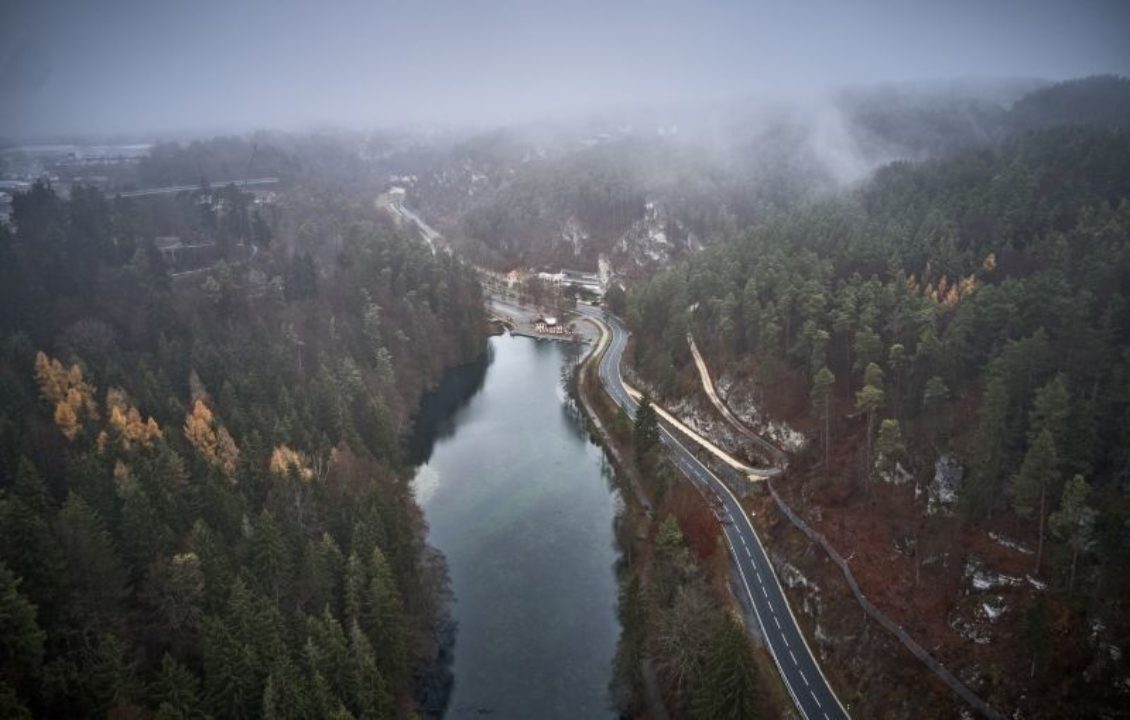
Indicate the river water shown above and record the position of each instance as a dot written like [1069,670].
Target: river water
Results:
[522,505]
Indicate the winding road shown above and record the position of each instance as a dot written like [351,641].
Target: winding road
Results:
[811,693]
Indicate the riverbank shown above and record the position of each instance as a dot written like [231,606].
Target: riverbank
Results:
[689,589]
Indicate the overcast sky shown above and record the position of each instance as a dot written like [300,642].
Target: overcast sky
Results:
[137,66]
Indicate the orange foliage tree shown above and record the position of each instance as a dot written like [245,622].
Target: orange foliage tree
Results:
[65,388]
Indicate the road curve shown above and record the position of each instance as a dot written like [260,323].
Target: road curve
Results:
[811,693]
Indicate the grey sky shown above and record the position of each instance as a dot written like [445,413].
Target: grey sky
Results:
[180,65]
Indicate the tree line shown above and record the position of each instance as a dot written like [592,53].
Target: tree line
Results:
[204,507]
[974,306]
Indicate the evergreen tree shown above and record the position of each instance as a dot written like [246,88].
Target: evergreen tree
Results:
[383,618]
[646,430]
[1050,410]
[231,686]
[822,385]
[176,690]
[270,555]
[372,700]
[868,401]
[11,706]
[1036,633]
[95,574]
[728,685]
[1074,522]
[21,640]
[889,443]
[27,543]
[1030,485]
[626,684]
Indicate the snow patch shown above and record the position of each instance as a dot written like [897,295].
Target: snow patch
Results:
[993,608]
[1010,544]
[968,630]
[898,475]
[744,405]
[943,489]
[982,579]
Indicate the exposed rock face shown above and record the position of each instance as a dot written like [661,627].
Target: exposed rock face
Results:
[943,489]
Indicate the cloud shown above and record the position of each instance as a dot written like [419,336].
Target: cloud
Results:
[133,66]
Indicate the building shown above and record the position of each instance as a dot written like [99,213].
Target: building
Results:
[549,325]
[582,281]
[589,282]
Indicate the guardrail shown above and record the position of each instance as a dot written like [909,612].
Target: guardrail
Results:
[878,616]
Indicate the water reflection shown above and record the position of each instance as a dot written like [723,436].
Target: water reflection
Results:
[519,501]
[437,417]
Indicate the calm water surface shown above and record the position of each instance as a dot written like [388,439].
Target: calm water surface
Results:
[521,504]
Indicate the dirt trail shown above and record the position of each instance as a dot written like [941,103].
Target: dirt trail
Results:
[752,473]
[776,454]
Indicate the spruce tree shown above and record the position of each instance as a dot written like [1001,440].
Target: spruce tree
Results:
[1030,485]
[727,688]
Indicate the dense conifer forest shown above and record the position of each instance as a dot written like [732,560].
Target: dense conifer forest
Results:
[204,508]
[975,307]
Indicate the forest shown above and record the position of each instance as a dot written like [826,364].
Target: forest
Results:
[205,508]
[974,307]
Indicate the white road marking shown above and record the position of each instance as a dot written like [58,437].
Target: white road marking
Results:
[786,639]
[813,694]
[697,469]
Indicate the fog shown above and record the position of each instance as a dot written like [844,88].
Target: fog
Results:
[138,67]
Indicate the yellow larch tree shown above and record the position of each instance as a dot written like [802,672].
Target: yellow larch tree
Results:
[216,446]
[283,457]
[126,422]
[68,391]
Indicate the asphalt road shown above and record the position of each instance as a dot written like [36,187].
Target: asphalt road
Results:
[810,691]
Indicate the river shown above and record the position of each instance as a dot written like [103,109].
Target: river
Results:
[522,505]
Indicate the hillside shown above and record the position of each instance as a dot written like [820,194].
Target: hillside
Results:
[951,337]
[205,508]
[647,191]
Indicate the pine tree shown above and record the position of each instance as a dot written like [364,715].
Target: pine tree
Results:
[323,567]
[889,443]
[1074,522]
[11,706]
[728,687]
[27,543]
[646,430]
[372,700]
[993,443]
[1050,410]
[95,574]
[1036,633]
[1030,485]
[383,618]
[111,678]
[868,401]
[353,587]
[328,653]
[21,640]
[230,673]
[626,685]
[821,396]
[143,535]
[270,555]
[176,689]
